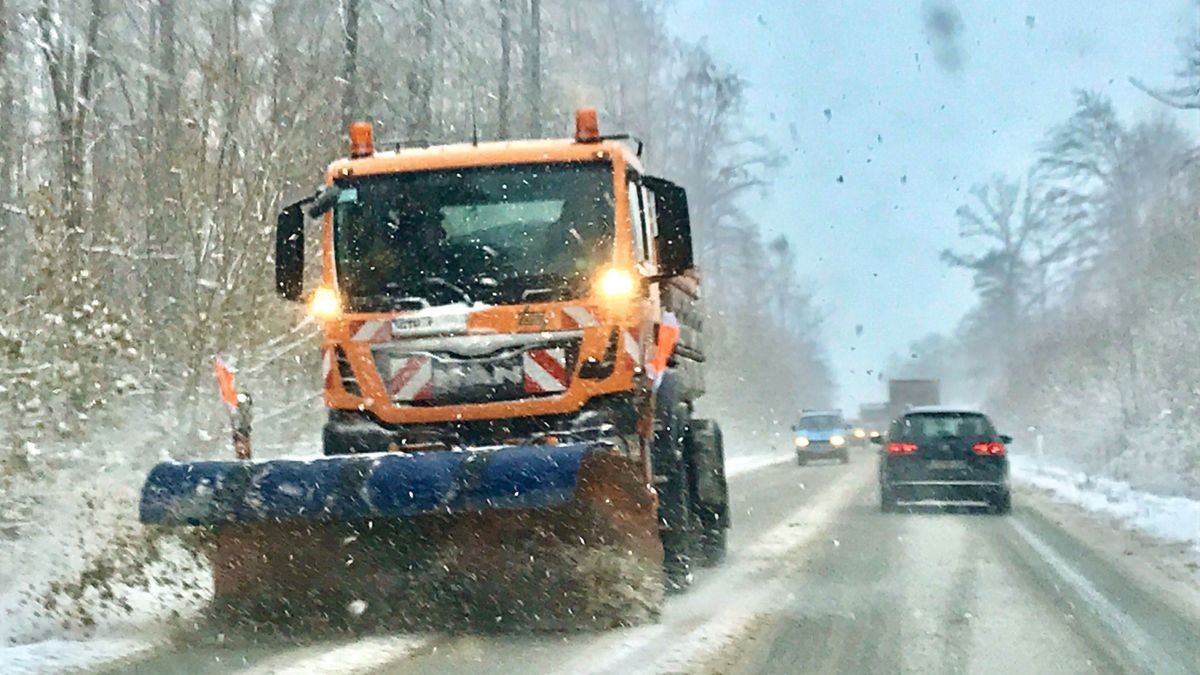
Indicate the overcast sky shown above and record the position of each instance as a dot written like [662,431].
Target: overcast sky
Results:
[949,112]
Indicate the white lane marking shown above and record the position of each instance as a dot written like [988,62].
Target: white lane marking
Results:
[1138,642]
[802,529]
[359,656]
[705,620]
[57,656]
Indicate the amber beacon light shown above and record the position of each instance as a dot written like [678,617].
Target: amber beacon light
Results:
[362,139]
[587,128]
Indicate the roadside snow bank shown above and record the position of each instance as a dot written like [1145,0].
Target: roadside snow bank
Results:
[58,656]
[1174,519]
[75,563]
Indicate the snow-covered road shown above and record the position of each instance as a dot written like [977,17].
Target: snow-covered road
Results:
[817,581]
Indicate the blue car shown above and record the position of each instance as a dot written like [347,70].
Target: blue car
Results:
[821,434]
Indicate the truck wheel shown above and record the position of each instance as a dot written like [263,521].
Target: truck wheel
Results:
[845,457]
[676,518]
[335,443]
[801,460]
[710,490]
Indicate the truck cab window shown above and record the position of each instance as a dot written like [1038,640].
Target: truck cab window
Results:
[633,191]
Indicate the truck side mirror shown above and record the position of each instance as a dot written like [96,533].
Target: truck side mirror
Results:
[674,227]
[289,251]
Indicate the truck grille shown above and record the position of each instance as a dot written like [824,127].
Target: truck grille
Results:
[429,378]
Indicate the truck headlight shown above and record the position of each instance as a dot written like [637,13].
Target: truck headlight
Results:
[616,284]
[837,441]
[860,433]
[801,442]
[325,304]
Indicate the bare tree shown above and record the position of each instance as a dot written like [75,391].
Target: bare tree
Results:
[1003,223]
[1186,94]
[420,77]
[7,170]
[534,63]
[350,110]
[73,89]
[503,91]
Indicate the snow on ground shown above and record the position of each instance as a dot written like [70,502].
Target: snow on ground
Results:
[59,656]
[78,572]
[738,464]
[1175,519]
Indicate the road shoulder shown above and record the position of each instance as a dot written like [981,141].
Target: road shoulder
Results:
[1169,571]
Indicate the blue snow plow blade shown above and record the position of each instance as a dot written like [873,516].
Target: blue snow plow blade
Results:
[359,487]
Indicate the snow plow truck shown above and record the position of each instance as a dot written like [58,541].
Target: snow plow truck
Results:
[511,355]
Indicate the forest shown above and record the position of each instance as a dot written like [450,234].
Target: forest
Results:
[146,146]
[1085,270]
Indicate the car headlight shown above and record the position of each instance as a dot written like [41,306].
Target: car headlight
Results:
[860,433]
[837,441]
[801,442]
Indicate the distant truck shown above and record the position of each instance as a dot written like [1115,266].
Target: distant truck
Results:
[874,417]
[904,394]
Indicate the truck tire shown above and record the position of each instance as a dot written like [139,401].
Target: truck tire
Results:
[677,519]
[335,442]
[710,492]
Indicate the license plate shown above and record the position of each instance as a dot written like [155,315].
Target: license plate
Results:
[947,464]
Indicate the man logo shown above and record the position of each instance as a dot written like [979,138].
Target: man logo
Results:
[528,317]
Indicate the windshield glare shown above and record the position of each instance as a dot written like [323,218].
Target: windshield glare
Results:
[489,234]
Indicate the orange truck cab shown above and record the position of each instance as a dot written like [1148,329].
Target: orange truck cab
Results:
[483,294]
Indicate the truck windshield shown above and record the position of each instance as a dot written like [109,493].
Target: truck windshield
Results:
[507,234]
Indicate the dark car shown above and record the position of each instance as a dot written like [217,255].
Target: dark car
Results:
[943,454]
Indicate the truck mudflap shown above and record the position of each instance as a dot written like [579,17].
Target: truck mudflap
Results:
[546,535]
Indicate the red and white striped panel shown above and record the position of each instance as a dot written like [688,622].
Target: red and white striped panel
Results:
[575,316]
[412,378]
[632,348]
[372,331]
[545,370]
[327,367]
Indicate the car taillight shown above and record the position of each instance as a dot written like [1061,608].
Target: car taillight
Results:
[895,448]
[993,449]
